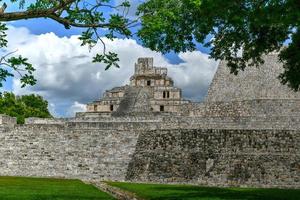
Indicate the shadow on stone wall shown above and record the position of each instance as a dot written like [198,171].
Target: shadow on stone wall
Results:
[258,158]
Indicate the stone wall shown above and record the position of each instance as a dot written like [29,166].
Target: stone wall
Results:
[246,133]
[36,120]
[256,158]
[261,152]
[60,151]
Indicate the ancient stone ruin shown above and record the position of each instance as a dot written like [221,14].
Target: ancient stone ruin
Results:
[150,91]
[245,133]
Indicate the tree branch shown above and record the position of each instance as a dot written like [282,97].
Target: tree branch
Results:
[65,21]
[13,16]
[47,14]
[50,13]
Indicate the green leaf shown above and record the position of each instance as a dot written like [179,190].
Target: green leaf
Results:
[110,59]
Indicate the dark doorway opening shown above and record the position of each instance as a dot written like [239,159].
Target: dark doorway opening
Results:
[164,94]
[148,83]
[111,107]
[162,109]
[95,107]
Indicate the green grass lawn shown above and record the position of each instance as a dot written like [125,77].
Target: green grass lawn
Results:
[19,188]
[189,192]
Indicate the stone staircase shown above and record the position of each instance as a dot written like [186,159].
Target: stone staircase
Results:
[142,103]
[128,102]
[134,102]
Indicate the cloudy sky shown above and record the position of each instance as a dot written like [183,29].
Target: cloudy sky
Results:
[68,79]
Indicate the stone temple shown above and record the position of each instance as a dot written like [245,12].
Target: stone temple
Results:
[151,90]
[246,133]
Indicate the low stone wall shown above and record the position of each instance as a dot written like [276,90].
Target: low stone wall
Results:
[92,115]
[176,122]
[250,158]
[34,120]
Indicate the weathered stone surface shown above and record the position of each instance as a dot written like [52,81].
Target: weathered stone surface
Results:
[254,83]
[258,158]
[8,121]
[61,151]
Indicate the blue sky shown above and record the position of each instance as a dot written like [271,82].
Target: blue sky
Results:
[38,30]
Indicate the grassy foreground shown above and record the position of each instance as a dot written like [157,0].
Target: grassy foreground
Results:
[19,188]
[189,192]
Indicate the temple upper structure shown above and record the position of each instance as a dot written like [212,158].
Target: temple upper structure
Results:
[151,90]
[147,75]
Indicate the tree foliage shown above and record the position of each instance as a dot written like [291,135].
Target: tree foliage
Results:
[23,106]
[256,27]
[90,15]
[8,65]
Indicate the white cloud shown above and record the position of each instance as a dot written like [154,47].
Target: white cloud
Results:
[76,107]
[67,78]
[194,74]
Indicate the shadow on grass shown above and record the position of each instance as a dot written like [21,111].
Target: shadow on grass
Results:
[182,192]
[222,193]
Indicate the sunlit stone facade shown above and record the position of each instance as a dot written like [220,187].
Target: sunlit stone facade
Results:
[150,89]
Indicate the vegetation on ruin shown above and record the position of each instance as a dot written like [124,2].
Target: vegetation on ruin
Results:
[242,31]
[24,106]
[19,188]
[189,192]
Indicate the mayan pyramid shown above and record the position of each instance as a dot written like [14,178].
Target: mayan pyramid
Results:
[255,83]
[255,92]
